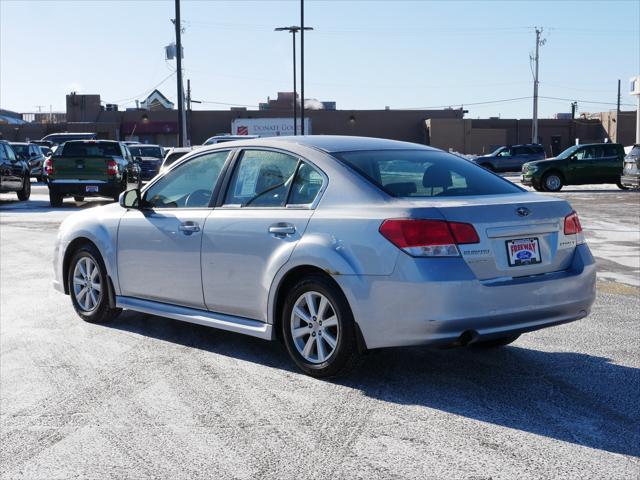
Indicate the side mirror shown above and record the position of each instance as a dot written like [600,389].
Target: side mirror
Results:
[130,198]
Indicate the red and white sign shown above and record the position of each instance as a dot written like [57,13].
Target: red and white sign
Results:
[268,127]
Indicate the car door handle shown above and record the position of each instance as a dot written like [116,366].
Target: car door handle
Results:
[282,229]
[189,227]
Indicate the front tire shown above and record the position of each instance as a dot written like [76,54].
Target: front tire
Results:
[488,166]
[318,328]
[89,286]
[55,199]
[621,186]
[25,192]
[78,198]
[552,182]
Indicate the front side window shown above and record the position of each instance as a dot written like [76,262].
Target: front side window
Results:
[505,153]
[261,179]
[190,185]
[425,173]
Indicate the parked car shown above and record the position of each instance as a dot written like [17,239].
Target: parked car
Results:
[227,138]
[510,158]
[128,143]
[631,169]
[32,154]
[333,245]
[14,172]
[577,165]
[58,138]
[173,154]
[149,157]
[90,168]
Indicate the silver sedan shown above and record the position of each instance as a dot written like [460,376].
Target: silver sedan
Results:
[332,245]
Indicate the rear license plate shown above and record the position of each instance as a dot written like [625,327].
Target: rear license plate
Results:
[91,189]
[523,251]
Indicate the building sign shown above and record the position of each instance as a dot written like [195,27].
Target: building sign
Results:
[268,127]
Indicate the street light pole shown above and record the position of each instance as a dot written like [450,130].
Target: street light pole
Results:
[302,66]
[180,97]
[293,30]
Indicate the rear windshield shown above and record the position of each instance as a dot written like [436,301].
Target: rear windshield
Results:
[139,151]
[423,173]
[635,151]
[93,149]
[22,150]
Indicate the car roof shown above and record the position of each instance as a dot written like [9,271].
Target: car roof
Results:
[97,140]
[144,145]
[341,143]
[19,143]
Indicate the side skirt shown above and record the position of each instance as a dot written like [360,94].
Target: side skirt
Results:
[200,317]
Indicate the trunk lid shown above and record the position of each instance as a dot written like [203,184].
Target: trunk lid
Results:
[500,220]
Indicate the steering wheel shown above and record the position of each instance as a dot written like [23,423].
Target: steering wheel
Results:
[199,198]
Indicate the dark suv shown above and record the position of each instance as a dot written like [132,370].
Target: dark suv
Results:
[577,165]
[14,173]
[510,158]
[32,154]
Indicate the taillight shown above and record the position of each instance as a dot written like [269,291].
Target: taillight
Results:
[572,227]
[112,167]
[48,166]
[572,224]
[428,238]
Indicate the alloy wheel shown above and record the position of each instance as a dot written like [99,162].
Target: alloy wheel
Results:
[314,327]
[87,284]
[553,183]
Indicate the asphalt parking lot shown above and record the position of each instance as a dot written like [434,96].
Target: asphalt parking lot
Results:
[146,397]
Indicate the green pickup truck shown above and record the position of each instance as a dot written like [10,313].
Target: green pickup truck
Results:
[577,165]
[90,168]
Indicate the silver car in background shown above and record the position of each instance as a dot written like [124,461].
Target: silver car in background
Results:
[333,245]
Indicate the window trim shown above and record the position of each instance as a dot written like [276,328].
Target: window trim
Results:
[220,201]
[177,165]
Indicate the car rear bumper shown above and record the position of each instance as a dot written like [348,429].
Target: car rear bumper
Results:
[435,301]
[85,188]
[630,180]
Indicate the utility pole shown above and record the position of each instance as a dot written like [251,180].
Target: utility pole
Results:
[618,112]
[536,59]
[189,109]
[302,67]
[180,97]
[574,107]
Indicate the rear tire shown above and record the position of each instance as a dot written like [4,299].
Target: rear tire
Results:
[25,192]
[319,350]
[55,199]
[538,189]
[89,286]
[488,166]
[78,198]
[552,182]
[621,186]
[495,342]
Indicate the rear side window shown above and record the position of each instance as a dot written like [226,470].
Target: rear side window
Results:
[610,151]
[262,179]
[423,173]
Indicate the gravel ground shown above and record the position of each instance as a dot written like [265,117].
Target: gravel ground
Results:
[146,397]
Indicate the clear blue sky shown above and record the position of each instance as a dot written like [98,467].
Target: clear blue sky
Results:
[362,54]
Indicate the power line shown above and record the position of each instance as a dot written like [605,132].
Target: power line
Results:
[149,90]
[586,101]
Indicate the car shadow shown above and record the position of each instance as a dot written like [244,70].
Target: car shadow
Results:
[572,397]
[43,206]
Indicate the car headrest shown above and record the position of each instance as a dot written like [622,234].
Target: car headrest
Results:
[269,176]
[437,176]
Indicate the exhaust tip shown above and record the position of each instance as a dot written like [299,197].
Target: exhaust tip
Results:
[467,337]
